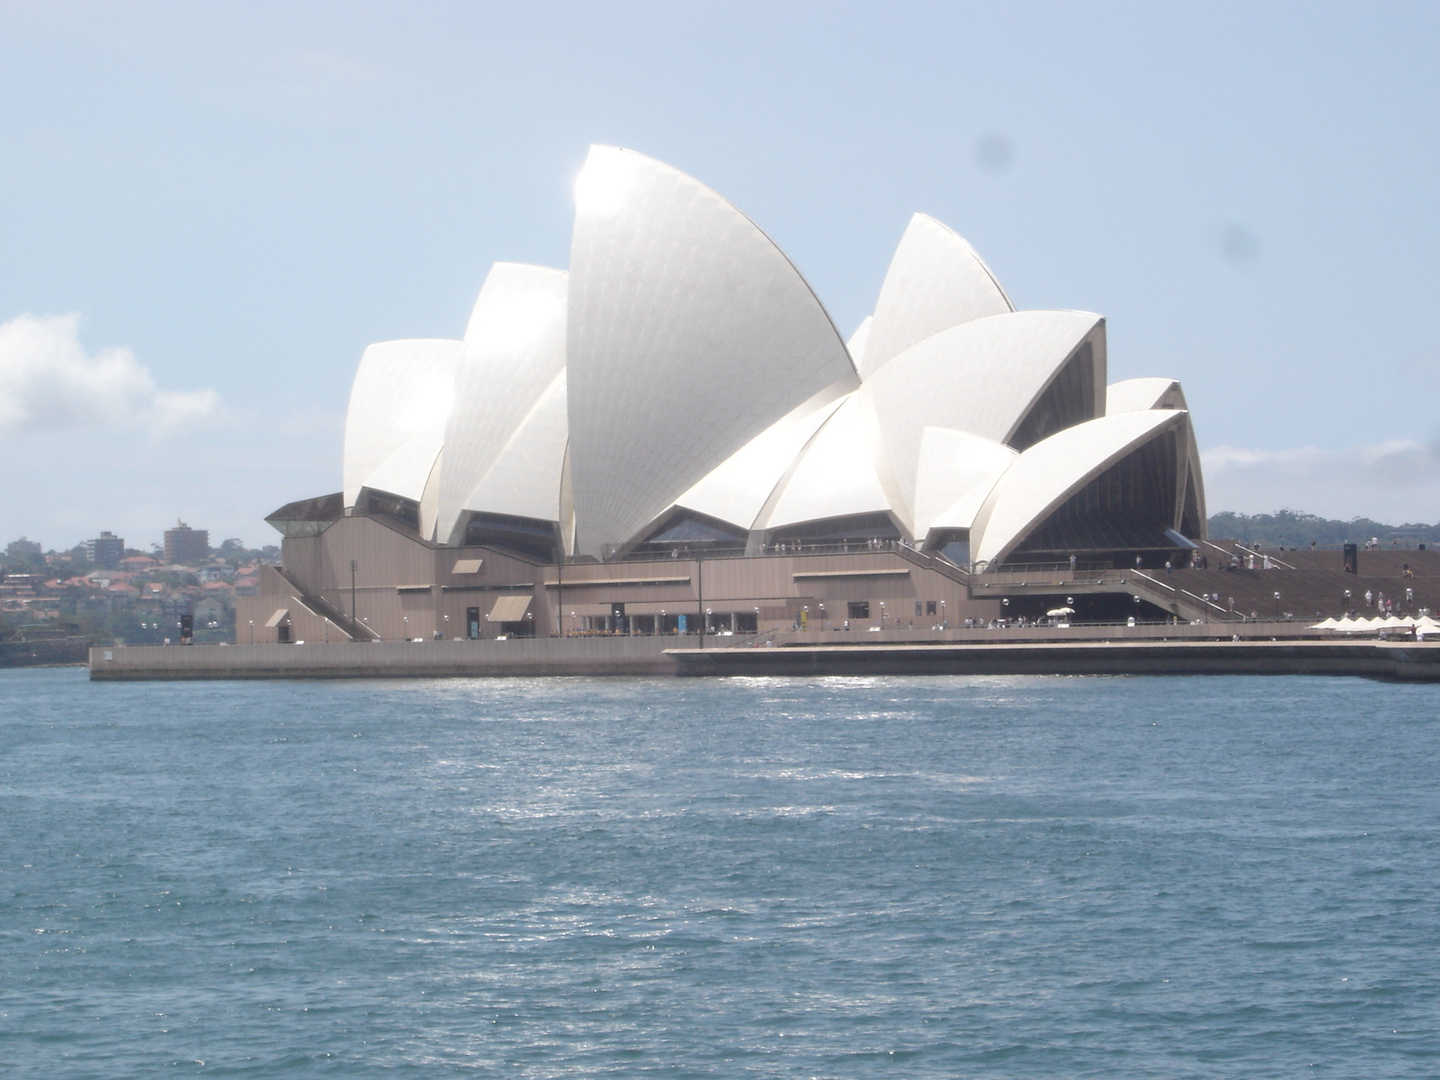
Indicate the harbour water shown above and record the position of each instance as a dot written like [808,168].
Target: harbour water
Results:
[918,877]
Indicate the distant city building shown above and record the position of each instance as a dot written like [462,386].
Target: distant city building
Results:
[23,550]
[106,550]
[186,545]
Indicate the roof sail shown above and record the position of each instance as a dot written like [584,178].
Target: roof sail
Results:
[689,334]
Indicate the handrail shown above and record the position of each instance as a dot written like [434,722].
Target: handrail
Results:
[1251,551]
[943,567]
[326,610]
[1201,599]
[1153,581]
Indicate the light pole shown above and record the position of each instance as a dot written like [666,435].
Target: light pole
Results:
[823,625]
[661,628]
[352,591]
[882,616]
[1277,605]
[447,627]
[1409,596]
[406,620]
[252,631]
[944,624]
[1346,612]
[572,622]
[757,622]
[705,629]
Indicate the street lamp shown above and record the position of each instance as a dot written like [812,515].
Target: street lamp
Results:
[1347,603]
[447,627]
[823,626]
[882,615]
[944,623]
[406,620]
[252,631]
[661,628]
[572,622]
[1277,605]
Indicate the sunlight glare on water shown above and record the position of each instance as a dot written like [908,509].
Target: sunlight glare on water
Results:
[981,877]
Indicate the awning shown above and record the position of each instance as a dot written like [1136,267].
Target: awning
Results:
[466,566]
[275,619]
[799,574]
[509,609]
[1180,540]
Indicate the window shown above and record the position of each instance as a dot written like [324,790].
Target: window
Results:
[859,609]
[929,607]
[918,607]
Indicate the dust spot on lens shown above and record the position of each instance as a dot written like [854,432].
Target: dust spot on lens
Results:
[1239,245]
[994,152]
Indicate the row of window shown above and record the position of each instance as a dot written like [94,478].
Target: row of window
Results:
[860,609]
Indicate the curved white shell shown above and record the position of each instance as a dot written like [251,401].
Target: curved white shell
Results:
[935,281]
[516,352]
[690,333]
[400,402]
[1048,473]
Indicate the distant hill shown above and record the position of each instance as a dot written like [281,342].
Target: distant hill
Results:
[1294,529]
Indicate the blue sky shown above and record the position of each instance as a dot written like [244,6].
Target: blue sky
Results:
[233,200]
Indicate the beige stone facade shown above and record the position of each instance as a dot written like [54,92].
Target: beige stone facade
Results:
[406,588]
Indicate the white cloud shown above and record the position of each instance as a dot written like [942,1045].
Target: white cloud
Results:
[48,382]
[1397,481]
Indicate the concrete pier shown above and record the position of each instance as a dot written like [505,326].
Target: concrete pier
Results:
[1397,661]
[387,659]
[1401,661]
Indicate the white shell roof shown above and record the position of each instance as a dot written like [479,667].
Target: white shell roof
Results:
[705,374]
[836,474]
[395,423]
[525,479]
[1134,395]
[516,339]
[935,281]
[1052,470]
[957,471]
[690,333]
[738,490]
[856,345]
[981,377]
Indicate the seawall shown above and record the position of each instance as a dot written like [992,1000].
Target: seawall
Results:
[387,659]
[1401,661]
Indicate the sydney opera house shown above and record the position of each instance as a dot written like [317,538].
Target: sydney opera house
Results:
[672,436]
